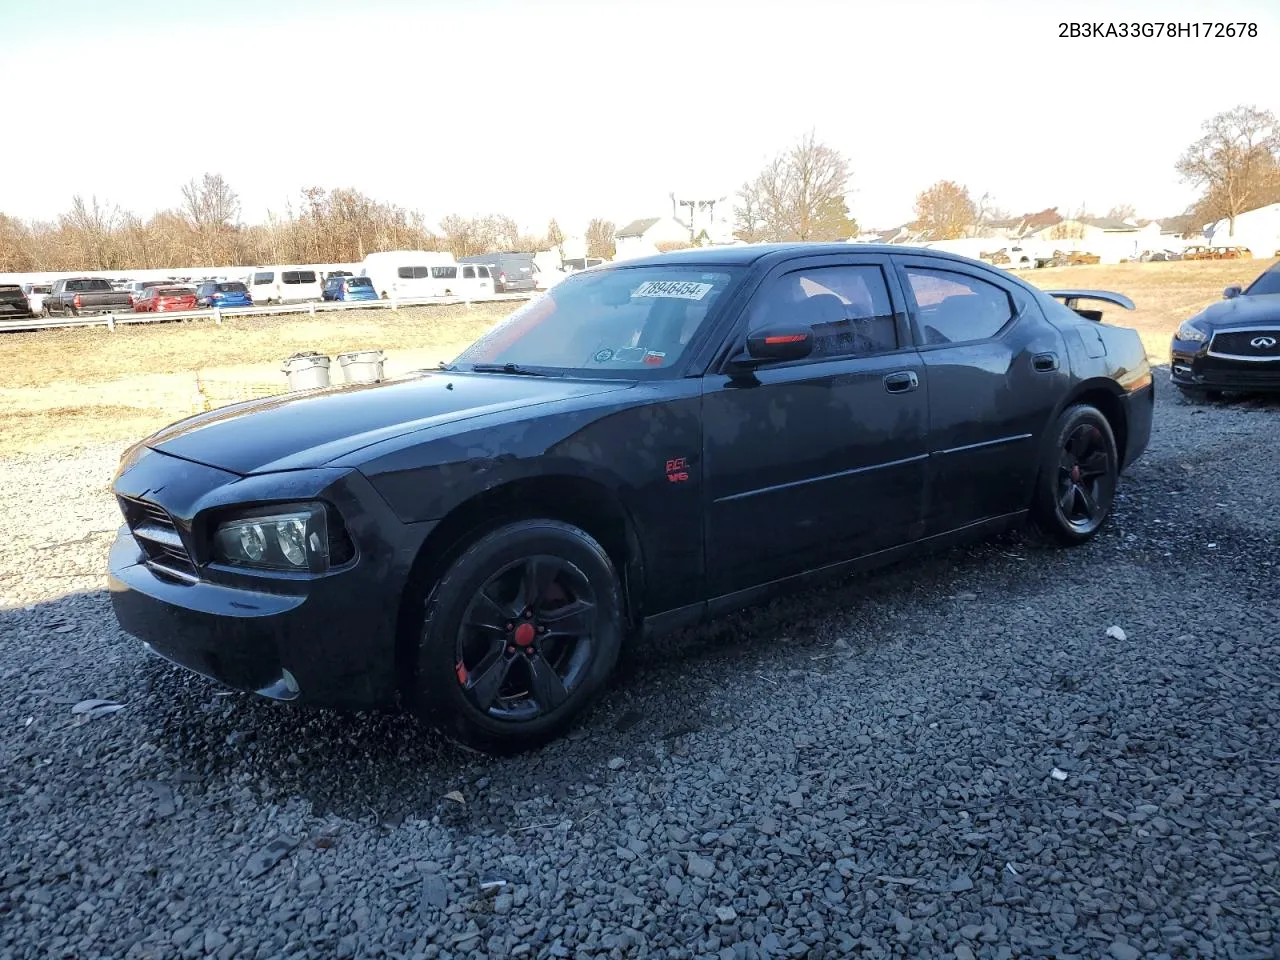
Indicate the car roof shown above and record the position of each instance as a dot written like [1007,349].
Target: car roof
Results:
[753,252]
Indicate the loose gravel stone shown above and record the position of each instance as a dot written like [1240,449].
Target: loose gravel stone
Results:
[858,770]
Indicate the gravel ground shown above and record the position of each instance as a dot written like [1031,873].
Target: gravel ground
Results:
[956,757]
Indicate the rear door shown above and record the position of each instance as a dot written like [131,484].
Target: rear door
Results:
[814,461]
[996,371]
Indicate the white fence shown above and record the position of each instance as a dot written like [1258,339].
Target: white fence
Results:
[217,314]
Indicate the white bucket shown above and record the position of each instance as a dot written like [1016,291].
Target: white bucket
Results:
[307,371]
[363,366]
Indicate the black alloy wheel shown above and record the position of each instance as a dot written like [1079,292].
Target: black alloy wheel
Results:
[517,637]
[1085,484]
[1078,477]
[526,638]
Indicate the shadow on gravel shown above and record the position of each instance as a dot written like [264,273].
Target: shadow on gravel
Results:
[385,768]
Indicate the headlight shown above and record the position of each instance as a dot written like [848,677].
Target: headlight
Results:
[1189,331]
[292,537]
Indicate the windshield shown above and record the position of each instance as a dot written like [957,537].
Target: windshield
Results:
[629,319]
[1268,283]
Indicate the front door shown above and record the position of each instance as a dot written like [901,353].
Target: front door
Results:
[818,460]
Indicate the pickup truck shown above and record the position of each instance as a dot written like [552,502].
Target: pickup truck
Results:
[80,295]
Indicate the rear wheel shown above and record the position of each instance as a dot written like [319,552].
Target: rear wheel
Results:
[518,636]
[1077,482]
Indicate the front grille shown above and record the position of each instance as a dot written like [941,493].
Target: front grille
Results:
[1247,343]
[1236,378]
[159,540]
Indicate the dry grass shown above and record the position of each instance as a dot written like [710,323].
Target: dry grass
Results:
[64,389]
[1165,294]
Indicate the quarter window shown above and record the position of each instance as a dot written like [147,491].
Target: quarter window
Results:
[955,307]
[847,307]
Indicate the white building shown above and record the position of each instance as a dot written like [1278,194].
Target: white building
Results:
[1258,230]
[647,237]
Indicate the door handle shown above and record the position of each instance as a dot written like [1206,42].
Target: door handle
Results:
[902,382]
[1045,362]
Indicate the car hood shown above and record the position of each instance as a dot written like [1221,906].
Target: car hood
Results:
[308,429]
[1243,311]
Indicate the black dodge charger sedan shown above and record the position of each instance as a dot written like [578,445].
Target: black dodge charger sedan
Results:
[646,445]
[1233,345]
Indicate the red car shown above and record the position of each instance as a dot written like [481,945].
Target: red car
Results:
[165,300]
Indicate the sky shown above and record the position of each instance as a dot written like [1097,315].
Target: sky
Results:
[542,108]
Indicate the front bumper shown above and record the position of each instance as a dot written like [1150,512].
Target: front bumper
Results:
[1192,366]
[326,639]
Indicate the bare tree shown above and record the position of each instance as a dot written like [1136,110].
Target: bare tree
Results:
[555,238]
[600,242]
[89,226]
[1235,161]
[16,253]
[799,195]
[946,210]
[1122,211]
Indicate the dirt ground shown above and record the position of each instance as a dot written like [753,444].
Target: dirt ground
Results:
[66,389]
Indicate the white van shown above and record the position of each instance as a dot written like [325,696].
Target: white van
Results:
[410,274]
[283,284]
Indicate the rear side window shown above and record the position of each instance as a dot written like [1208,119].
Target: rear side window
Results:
[847,308]
[295,277]
[956,307]
[468,273]
[264,278]
[444,273]
[413,273]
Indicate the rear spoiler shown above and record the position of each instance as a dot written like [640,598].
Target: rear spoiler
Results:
[1073,298]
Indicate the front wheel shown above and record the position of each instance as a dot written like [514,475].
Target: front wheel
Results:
[1077,483]
[518,636]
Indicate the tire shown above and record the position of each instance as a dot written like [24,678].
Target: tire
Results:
[1076,485]
[497,681]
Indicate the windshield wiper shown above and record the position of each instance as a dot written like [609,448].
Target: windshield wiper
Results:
[507,368]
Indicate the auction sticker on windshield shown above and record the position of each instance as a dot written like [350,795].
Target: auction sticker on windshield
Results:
[680,289]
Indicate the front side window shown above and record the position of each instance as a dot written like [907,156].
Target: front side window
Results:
[955,307]
[627,320]
[482,272]
[847,308]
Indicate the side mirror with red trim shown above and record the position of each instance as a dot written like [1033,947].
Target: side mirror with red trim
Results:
[780,343]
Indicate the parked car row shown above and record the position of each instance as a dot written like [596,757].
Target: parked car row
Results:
[1217,253]
[396,274]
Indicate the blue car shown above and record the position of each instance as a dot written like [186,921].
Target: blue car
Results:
[218,293]
[349,288]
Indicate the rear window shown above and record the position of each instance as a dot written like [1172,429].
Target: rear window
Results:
[10,288]
[89,286]
[42,288]
[444,273]
[263,277]
[353,282]
[412,273]
[233,287]
[174,292]
[291,277]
